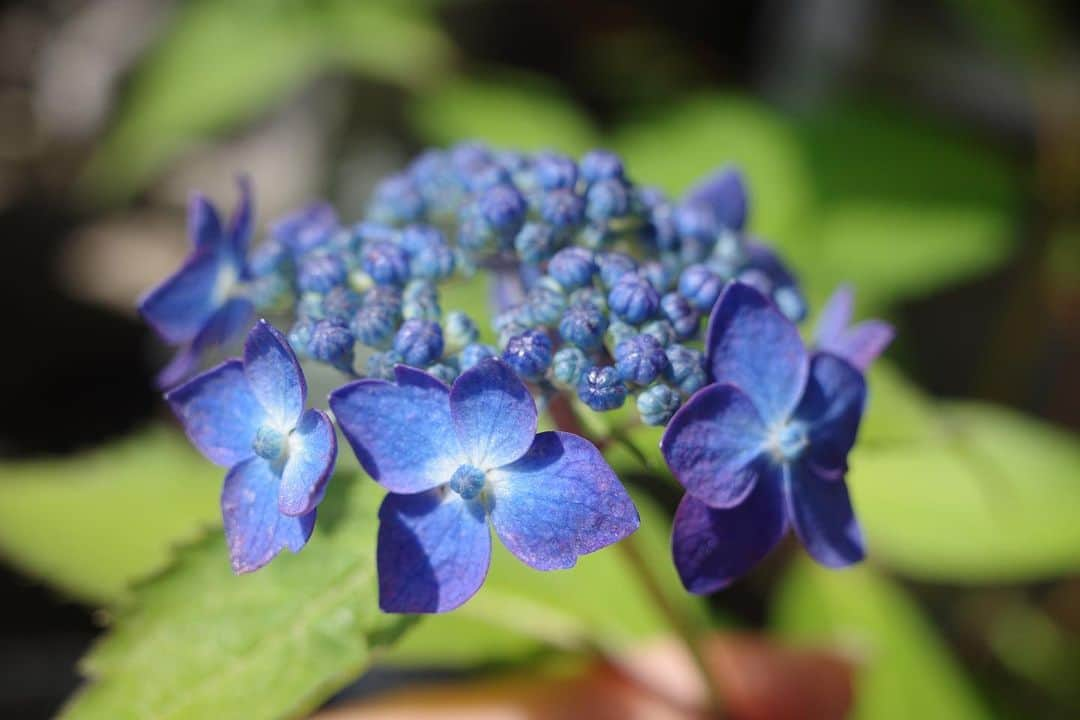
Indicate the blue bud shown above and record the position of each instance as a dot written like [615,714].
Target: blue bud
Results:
[474,354]
[487,177]
[529,354]
[640,359]
[300,335]
[460,331]
[661,230]
[696,220]
[656,404]
[791,303]
[367,232]
[573,267]
[385,296]
[687,368]
[332,343]
[534,243]
[476,236]
[386,263]
[607,200]
[589,296]
[554,171]
[613,265]
[442,371]
[662,275]
[320,271]
[601,388]
[307,228]
[599,165]
[617,332]
[662,330]
[340,304]
[583,325]
[503,208]
[430,257]
[684,318]
[470,157]
[415,238]
[545,305]
[269,257]
[419,342]
[568,365]
[421,309]
[310,306]
[562,209]
[374,325]
[700,286]
[633,299]
[397,201]
[693,250]
[434,177]
[270,290]
[381,365]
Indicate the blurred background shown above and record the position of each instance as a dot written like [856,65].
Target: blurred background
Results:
[927,151]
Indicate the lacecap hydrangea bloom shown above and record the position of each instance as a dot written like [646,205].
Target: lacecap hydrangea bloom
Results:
[600,289]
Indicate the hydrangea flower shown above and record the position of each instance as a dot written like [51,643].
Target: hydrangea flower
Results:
[458,458]
[195,307]
[763,447]
[859,344]
[248,415]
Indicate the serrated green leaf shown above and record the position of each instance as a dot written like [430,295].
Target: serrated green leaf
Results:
[991,496]
[520,611]
[906,670]
[201,642]
[520,112]
[92,523]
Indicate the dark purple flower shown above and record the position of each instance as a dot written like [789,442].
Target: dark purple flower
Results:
[763,447]
[195,308]
[248,415]
[456,459]
[859,344]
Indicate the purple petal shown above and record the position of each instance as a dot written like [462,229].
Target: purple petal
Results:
[183,362]
[862,343]
[219,413]
[204,224]
[254,529]
[711,443]
[227,322]
[179,307]
[831,407]
[312,451]
[724,193]
[433,553]
[714,547]
[240,225]
[559,501]
[493,413]
[274,374]
[835,316]
[751,345]
[401,433]
[821,512]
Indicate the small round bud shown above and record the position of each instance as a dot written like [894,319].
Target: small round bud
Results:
[700,286]
[607,200]
[613,265]
[459,331]
[300,336]
[528,354]
[589,296]
[419,342]
[601,388]
[562,209]
[319,271]
[599,165]
[633,299]
[640,359]
[696,220]
[503,208]
[687,369]
[573,267]
[617,332]
[661,330]
[474,354]
[396,201]
[442,371]
[374,325]
[269,257]
[661,275]
[684,318]
[534,243]
[340,304]
[656,404]
[332,343]
[381,365]
[545,306]
[791,303]
[568,365]
[583,325]
[386,263]
[555,171]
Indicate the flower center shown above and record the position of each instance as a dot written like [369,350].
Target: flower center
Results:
[788,441]
[270,443]
[467,481]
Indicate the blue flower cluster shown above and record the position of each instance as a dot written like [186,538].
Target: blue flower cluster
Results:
[600,289]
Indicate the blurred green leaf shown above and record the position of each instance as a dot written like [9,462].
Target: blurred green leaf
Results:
[221,63]
[92,523]
[201,642]
[520,611]
[907,671]
[676,147]
[520,112]
[989,496]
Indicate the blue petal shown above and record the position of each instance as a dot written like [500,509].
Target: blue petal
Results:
[835,316]
[274,375]
[240,225]
[713,547]
[821,512]
[494,415]
[724,193]
[312,451]
[711,443]
[179,307]
[751,345]
[228,321]
[219,413]
[401,433]
[861,344]
[831,407]
[559,501]
[433,553]
[254,529]
[204,224]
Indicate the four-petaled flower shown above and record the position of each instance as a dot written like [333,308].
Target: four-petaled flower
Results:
[456,457]
[764,446]
[196,307]
[859,344]
[248,415]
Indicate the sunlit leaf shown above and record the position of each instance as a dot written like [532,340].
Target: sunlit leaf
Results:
[91,523]
[906,669]
[200,642]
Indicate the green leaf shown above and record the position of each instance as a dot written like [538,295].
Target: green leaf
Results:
[201,642]
[520,611]
[675,148]
[518,111]
[989,496]
[222,63]
[907,671]
[91,523]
